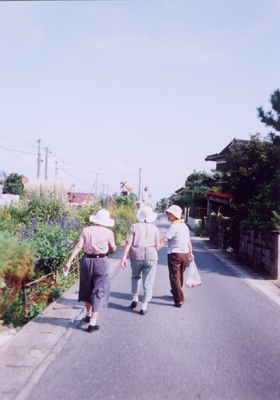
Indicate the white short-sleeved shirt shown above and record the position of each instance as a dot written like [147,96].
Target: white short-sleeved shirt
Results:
[178,236]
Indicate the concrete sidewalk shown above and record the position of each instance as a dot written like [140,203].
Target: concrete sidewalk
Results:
[270,288]
[24,358]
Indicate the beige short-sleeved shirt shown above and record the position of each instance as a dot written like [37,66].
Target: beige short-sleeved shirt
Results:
[144,238]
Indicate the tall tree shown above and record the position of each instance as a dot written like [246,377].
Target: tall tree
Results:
[272,118]
[13,184]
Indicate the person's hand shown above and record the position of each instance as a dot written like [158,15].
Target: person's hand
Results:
[67,266]
[191,257]
[124,263]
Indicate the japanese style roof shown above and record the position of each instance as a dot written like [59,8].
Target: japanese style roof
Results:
[224,152]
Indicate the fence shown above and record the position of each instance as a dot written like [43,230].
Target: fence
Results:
[259,249]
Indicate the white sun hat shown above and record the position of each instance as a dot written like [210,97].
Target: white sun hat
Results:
[146,214]
[102,218]
[175,210]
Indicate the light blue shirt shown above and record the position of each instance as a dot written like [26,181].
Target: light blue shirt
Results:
[178,236]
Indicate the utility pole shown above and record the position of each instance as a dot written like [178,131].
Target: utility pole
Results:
[96,185]
[139,193]
[46,164]
[39,159]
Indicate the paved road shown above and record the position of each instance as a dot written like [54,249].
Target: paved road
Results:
[223,344]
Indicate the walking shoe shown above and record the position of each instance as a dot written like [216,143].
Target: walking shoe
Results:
[87,319]
[133,304]
[143,312]
[93,328]
[178,305]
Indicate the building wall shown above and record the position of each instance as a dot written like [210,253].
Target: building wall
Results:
[7,199]
[193,222]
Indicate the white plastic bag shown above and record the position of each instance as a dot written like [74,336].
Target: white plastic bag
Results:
[192,276]
[65,273]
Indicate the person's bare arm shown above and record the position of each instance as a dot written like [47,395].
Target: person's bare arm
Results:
[191,256]
[162,242]
[113,248]
[75,251]
[125,251]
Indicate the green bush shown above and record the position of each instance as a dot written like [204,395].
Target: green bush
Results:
[53,242]
[41,208]
[199,230]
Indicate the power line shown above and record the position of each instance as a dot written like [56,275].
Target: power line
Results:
[18,151]
[28,144]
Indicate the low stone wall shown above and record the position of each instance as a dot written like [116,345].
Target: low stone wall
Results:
[262,249]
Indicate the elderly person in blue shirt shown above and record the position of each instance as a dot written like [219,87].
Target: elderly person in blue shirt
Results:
[179,252]
[143,242]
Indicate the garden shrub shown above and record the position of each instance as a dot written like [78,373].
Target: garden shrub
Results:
[41,208]
[16,266]
[199,230]
[124,217]
[53,241]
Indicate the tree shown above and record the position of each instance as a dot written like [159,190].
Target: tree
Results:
[272,118]
[163,204]
[254,181]
[13,184]
[197,185]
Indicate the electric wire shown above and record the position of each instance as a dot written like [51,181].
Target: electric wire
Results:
[28,144]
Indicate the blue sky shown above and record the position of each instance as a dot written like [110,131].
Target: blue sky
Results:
[114,86]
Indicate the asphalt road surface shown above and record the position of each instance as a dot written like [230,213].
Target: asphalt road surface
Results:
[224,343]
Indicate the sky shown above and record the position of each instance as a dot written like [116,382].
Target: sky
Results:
[132,90]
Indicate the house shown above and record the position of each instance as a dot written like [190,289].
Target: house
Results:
[221,158]
[221,201]
[78,199]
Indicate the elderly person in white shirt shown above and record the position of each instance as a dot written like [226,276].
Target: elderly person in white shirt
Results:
[143,242]
[179,252]
[94,278]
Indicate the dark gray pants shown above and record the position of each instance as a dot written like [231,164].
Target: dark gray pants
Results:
[95,282]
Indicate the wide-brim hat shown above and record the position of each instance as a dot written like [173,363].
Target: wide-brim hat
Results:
[146,214]
[102,217]
[175,210]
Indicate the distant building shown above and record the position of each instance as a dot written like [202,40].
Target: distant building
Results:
[77,199]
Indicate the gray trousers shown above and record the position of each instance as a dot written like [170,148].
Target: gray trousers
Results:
[145,270]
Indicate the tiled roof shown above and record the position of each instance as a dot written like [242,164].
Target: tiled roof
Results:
[223,153]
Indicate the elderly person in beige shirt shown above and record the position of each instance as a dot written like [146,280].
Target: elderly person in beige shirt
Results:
[143,242]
